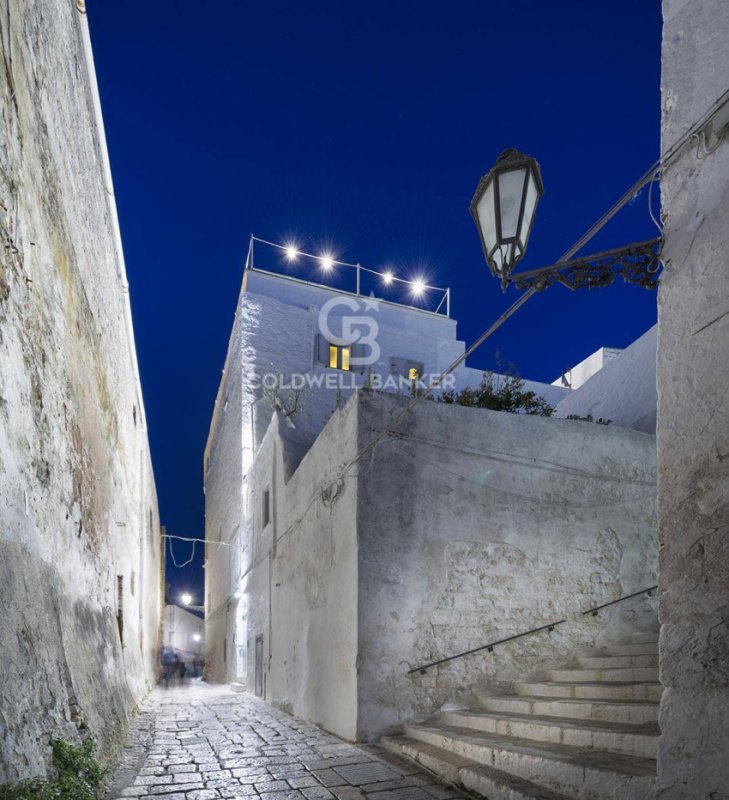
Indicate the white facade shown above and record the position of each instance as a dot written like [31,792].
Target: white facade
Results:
[468,526]
[183,631]
[574,377]
[277,332]
[285,559]
[622,391]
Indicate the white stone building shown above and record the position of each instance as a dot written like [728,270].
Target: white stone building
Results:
[622,390]
[183,631]
[322,590]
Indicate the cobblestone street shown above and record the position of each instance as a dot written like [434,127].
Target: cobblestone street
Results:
[205,742]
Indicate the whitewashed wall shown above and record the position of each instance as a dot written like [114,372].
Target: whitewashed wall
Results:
[468,526]
[693,412]
[474,525]
[183,631]
[299,575]
[623,391]
[78,510]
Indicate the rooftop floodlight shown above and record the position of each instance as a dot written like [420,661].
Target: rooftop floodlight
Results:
[327,262]
[291,252]
[186,598]
[387,277]
[418,286]
[503,208]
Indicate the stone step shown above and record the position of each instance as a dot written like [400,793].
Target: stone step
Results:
[580,772]
[618,661]
[636,712]
[613,675]
[637,649]
[648,636]
[592,690]
[612,737]
[485,780]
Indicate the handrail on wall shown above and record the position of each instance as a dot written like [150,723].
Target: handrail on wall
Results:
[548,627]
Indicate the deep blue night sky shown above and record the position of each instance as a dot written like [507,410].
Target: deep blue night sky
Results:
[365,127]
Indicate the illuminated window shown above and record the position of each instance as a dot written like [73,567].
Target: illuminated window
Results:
[333,356]
[406,368]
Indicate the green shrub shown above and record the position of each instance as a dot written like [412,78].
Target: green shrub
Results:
[79,776]
[500,393]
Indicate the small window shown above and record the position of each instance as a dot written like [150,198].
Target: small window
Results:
[333,356]
[338,357]
[266,511]
[406,368]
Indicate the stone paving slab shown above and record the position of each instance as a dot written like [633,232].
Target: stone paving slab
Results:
[205,742]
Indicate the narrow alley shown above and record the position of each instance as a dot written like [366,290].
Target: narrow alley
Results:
[204,742]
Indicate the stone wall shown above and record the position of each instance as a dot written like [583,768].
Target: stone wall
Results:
[79,530]
[475,525]
[298,589]
[693,412]
[469,525]
[223,481]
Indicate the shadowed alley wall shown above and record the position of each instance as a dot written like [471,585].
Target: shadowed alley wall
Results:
[79,529]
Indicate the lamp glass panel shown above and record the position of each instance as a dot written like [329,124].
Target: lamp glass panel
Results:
[487,216]
[530,206]
[511,188]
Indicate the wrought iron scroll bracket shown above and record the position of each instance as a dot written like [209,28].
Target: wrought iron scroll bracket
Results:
[638,263]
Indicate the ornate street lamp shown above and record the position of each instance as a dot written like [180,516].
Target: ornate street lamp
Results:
[503,208]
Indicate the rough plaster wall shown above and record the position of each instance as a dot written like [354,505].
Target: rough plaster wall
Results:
[224,516]
[623,391]
[693,413]
[300,582]
[77,499]
[474,525]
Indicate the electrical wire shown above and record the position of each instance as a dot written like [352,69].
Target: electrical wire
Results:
[189,560]
[191,539]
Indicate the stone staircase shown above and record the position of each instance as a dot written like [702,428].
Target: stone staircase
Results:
[587,732]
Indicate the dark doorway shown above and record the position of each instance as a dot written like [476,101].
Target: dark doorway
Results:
[259,665]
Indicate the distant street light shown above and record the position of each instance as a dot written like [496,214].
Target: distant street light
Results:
[196,637]
[186,598]
[504,207]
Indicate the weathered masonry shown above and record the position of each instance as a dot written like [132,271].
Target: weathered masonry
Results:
[693,412]
[79,529]
[467,526]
